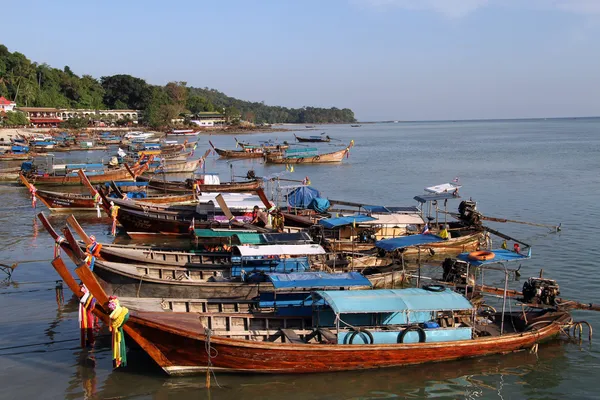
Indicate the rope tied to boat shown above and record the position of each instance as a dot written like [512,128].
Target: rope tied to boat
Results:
[57,242]
[211,353]
[118,317]
[87,321]
[574,329]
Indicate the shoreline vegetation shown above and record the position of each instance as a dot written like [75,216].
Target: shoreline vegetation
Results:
[30,84]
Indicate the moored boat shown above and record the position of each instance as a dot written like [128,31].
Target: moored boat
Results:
[313,138]
[307,156]
[248,152]
[201,185]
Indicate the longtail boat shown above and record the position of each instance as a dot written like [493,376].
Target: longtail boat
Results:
[313,138]
[267,146]
[69,202]
[10,156]
[72,178]
[297,345]
[173,167]
[187,186]
[256,152]
[302,156]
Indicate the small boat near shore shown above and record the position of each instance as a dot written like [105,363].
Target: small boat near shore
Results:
[248,152]
[313,138]
[307,156]
[188,185]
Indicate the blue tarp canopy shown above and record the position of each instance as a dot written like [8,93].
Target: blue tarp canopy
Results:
[407,241]
[302,196]
[308,280]
[377,209]
[393,300]
[319,204]
[121,184]
[424,198]
[348,220]
[500,256]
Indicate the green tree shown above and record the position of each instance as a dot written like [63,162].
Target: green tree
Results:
[15,118]
[132,92]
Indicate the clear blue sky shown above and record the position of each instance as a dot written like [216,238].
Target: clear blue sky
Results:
[385,59]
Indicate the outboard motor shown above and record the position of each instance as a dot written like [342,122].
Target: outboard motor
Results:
[468,213]
[540,291]
[367,236]
[455,271]
[27,167]
[250,175]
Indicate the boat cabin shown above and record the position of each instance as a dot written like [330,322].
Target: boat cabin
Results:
[390,316]
[259,259]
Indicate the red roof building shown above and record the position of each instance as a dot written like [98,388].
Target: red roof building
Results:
[7,105]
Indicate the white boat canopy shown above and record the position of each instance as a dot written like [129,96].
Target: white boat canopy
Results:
[277,250]
[444,187]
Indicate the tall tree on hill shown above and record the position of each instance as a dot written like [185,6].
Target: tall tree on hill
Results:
[178,93]
[135,93]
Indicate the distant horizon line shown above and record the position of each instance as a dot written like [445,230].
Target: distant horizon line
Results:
[471,119]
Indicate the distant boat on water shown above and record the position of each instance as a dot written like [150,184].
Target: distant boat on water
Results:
[355,126]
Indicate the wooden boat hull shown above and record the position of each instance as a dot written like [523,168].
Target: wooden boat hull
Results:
[174,168]
[139,221]
[179,187]
[68,202]
[121,174]
[311,140]
[334,157]
[172,282]
[241,154]
[180,341]
[148,255]
[433,251]
[16,157]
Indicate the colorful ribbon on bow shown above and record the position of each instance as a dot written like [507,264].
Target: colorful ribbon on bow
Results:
[87,322]
[114,211]
[33,192]
[97,201]
[118,317]
[93,248]
[57,242]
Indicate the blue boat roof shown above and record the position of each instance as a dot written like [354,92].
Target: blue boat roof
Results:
[389,209]
[120,184]
[84,166]
[500,256]
[407,241]
[392,300]
[310,280]
[424,198]
[348,220]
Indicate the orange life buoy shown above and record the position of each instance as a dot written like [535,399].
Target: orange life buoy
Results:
[481,255]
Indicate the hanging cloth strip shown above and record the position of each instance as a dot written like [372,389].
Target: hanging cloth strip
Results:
[118,317]
[94,248]
[87,302]
[90,260]
[33,191]
[98,202]
[57,242]
[114,211]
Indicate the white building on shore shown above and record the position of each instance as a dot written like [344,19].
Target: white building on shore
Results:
[6,105]
[50,117]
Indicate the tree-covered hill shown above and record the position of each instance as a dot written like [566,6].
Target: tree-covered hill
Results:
[39,85]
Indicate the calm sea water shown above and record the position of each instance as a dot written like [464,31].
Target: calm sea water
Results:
[544,171]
